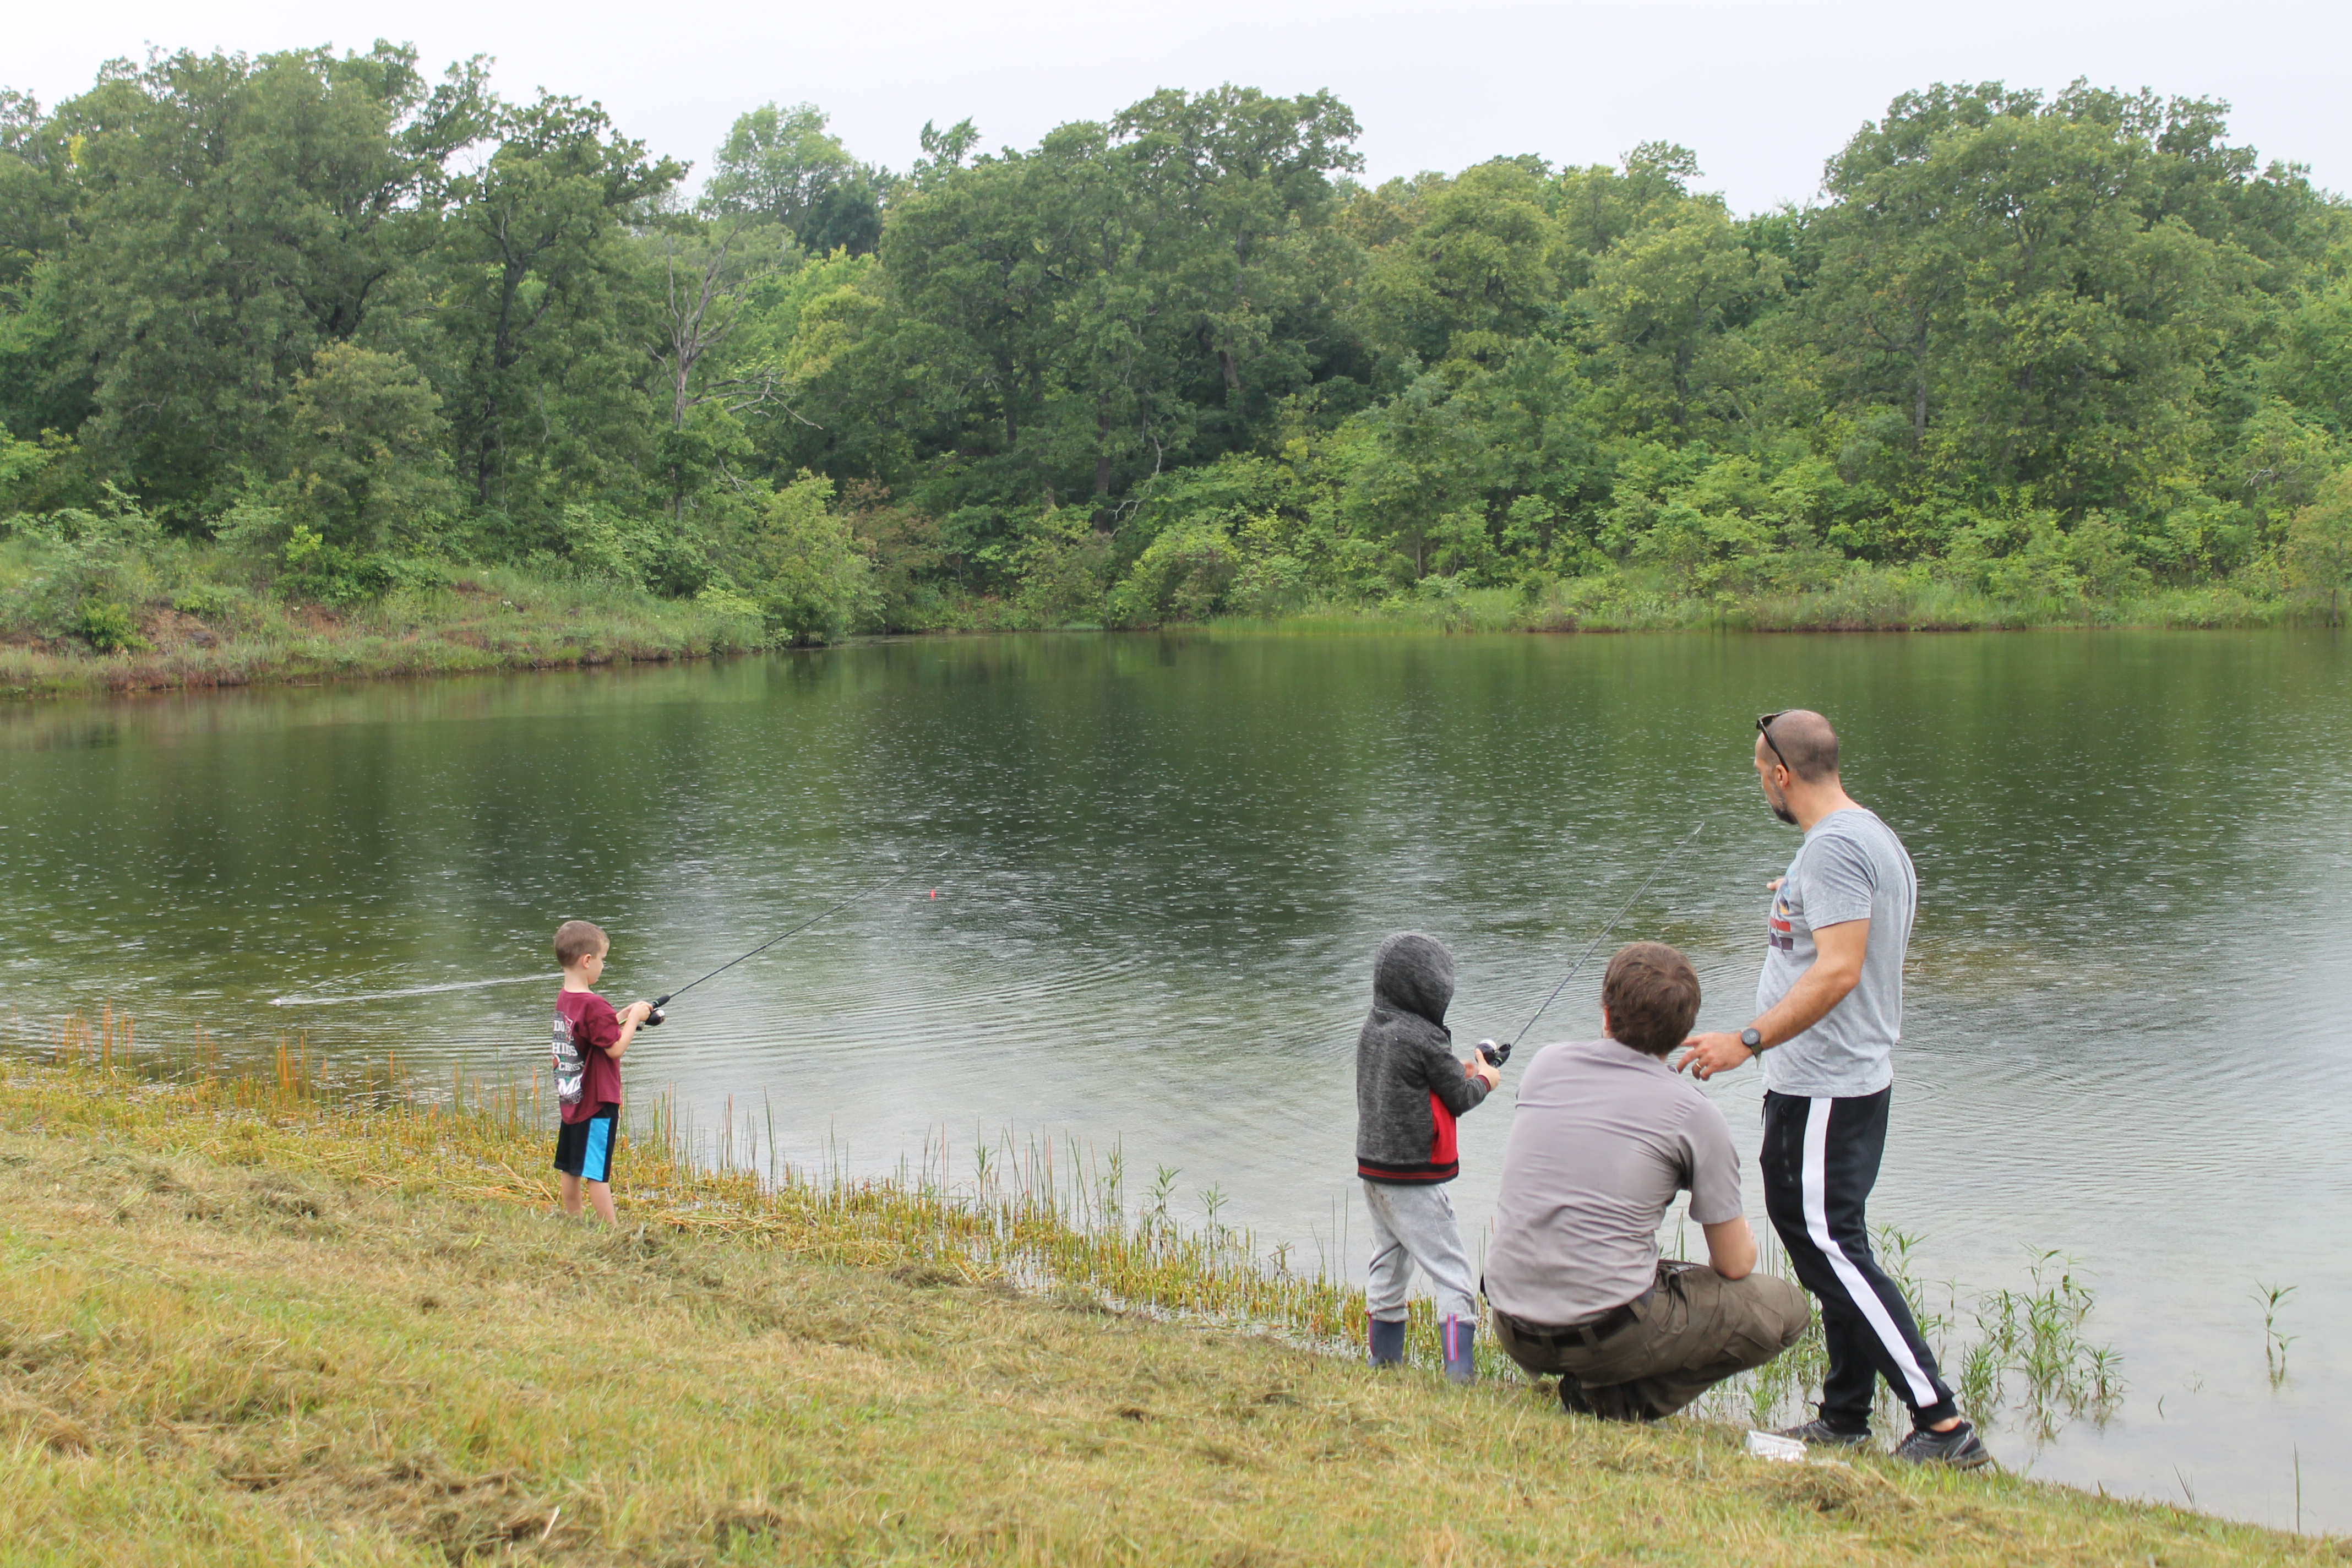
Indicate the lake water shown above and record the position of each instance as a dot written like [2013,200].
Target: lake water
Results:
[1162,864]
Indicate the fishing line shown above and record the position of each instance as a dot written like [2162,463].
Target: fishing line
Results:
[411,991]
[662,1001]
[1502,1053]
[18,1028]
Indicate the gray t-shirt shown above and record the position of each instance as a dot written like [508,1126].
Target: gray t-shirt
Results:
[1601,1138]
[1850,867]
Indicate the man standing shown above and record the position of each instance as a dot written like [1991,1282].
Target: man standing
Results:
[1603,1137]
[1829,1011]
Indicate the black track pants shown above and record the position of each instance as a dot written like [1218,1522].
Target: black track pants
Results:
[1820,1161]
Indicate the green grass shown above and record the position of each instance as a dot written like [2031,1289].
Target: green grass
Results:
[244,1319]
[1865,599]
[495,618]
[215,634]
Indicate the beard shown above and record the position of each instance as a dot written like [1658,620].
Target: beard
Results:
[1780,805]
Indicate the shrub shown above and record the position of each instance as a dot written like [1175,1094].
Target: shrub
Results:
[1182,576]
[1062,565]
[361,452]
[600,542]
[112,554]
[2319,545]
[812,583]
[109,627]
[214,602]
[328,573]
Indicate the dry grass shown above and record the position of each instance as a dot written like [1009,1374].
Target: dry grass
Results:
[241,1321]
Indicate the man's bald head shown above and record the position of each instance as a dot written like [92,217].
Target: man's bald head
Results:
[1804,741]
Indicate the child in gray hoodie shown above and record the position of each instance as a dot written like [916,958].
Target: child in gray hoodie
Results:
[1409,1089]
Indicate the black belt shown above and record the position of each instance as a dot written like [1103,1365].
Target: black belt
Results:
[1588,1333]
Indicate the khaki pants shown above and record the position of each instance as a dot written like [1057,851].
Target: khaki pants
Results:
[1696,1329]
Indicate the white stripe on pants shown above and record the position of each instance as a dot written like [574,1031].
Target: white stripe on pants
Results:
[1416,1224]
[1866,1300]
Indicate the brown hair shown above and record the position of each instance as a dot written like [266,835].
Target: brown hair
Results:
[1803,740]
[575,940]
[1652,994]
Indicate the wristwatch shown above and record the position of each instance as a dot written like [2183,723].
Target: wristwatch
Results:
[1752,1040]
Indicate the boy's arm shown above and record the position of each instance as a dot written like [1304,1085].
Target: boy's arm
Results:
[1461,1085]
[631,1016]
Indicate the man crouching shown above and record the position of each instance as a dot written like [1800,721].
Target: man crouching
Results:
[1605,1135]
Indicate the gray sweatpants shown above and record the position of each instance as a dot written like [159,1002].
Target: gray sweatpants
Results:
[1410,1225]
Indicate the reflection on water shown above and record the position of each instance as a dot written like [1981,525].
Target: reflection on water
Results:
[1170,860]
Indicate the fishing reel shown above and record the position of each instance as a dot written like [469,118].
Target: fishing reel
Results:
[656,1016]
[1495,1055]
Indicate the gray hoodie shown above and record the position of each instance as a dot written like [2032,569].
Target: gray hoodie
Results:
[1410,1086]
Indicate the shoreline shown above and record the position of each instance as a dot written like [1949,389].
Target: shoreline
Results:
[232,1285]
[498,619]
[412,644]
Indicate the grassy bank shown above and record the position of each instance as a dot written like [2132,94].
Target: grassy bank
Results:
[495,618]
[1865,599]
[507,619]
[243,1320]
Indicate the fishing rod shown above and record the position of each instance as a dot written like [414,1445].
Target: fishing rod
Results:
[656,1016]
[1497,1054]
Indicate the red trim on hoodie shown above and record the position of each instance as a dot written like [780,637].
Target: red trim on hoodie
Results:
[1441,1144]
[1445,1160]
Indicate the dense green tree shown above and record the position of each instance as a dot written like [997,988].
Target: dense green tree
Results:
[43,382]
[236,215]
[2042,287]
[1666,301]
[546,350]
[1480,269]
[1240,190]
[1599,206]
[783,165]
[1174,362]
[1118,300]
[2314,368]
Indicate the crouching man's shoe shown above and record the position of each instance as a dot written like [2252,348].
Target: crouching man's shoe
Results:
[1819,1434]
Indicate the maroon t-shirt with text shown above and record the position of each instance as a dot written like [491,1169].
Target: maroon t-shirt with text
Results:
[596,1028]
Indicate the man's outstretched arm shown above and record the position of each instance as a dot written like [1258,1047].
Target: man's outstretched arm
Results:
[1835,971]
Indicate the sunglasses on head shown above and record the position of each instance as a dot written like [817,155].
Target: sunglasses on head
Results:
[1764,727]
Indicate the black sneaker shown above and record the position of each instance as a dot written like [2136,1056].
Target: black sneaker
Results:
[1958,1448]
[1572,1399]
[1819,1434]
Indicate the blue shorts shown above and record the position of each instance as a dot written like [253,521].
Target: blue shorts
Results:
[585,1148]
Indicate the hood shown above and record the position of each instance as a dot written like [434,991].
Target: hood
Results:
[1414,973]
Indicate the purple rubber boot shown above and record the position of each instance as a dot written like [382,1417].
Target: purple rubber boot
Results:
[1460,1337]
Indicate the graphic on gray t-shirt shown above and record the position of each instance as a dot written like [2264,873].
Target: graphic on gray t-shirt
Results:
[1850,867]
[1601,1138]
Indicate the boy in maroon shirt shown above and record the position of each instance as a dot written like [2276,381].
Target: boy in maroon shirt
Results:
[590,1039]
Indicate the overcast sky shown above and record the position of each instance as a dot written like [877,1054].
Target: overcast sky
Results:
[1763,92]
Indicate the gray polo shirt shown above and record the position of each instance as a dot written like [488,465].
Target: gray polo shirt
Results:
[1601,1138]
[1850,867]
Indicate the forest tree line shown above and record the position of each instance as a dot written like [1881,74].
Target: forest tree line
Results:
[325,327]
